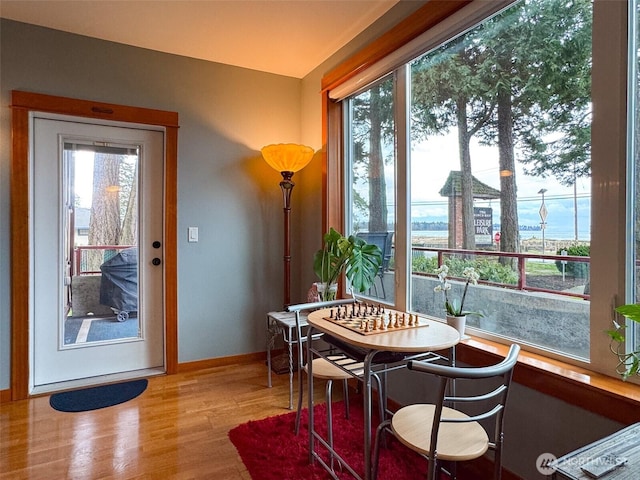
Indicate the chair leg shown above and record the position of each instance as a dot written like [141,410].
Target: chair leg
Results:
[345,388]
[432,469]
[384,294]
[497,459]
[297,424]
[376,447]
[330,422]
[448,468]
[381,399]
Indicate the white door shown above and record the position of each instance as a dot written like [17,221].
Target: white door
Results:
[96,246]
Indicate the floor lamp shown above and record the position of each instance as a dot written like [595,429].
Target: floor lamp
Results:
[287,158]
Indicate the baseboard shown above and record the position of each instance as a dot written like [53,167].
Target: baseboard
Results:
[5,396]
[220,362]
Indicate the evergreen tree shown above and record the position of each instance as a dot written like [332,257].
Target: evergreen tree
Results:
[520,81]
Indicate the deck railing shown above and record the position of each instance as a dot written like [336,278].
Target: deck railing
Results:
[520,258]
[80,261]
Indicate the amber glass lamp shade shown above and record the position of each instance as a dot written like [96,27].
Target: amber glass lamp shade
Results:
[287,157]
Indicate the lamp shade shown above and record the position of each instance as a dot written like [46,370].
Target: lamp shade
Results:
[287,157]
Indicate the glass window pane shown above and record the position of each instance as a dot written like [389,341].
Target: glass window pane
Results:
[500,173]
[370,164]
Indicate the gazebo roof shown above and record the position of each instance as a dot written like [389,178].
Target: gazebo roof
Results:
[453,187]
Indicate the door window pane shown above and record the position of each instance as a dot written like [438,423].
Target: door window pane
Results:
[101,239]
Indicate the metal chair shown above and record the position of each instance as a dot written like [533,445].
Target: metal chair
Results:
[328,370]
[444,433]
[384,241]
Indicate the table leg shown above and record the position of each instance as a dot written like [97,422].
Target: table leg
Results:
[289,343]
[367,414]
[270,342]
[310,393]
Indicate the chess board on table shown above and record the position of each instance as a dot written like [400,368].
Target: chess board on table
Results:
[372,319]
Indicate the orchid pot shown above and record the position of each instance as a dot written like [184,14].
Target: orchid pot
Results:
[458,322]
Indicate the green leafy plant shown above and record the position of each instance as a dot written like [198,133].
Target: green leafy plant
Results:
[488,270]
[628,362]
[575,269]
[453,307]
[360,261]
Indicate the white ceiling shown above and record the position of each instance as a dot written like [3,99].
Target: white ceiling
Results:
[287,37]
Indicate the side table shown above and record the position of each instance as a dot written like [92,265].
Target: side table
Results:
[621,446]
[283,323]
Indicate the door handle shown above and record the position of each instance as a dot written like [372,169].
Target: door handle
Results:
[156,261]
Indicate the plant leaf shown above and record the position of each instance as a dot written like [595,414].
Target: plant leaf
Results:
[631,311]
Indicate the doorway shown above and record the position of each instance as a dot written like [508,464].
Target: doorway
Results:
[66,343]
[97,284]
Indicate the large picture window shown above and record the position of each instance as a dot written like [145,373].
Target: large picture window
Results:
[492,127]
[500,164]
[371,189]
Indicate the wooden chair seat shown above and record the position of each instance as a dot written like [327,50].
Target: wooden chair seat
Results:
[325,370]
[456,441]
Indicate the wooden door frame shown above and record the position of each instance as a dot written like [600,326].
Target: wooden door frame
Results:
[22,104]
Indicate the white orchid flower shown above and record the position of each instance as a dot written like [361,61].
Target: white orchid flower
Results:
[453,307]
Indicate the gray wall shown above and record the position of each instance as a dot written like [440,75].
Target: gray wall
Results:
[228,280]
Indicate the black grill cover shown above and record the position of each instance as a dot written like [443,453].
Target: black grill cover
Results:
[119,284]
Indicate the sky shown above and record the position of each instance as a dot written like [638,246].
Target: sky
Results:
[432,160]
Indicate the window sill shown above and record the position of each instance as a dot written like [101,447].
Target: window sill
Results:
[606,396]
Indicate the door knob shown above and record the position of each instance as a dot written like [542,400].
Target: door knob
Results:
[156,261]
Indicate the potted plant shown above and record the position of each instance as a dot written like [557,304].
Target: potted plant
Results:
[357,259]
[628,362]
[455,313]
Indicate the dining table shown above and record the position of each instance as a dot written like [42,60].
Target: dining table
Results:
[383,339]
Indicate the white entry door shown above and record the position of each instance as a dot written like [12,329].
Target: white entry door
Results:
[97,254]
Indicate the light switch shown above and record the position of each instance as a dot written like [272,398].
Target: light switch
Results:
[193,234]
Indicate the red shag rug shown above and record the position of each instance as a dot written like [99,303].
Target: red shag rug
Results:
[271,451]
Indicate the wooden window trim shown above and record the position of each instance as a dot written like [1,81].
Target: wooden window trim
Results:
[595,392]
[21,104]
[604,395]
[411,27]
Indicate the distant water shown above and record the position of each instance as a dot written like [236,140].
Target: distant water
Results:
[550,233]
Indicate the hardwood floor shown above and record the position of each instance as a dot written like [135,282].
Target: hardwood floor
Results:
[176,429]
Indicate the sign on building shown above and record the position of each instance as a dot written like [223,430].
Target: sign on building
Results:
[483,224]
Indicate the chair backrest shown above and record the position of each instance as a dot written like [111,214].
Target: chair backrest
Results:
[383,240]
[488,404]
[309,307]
